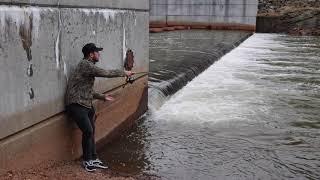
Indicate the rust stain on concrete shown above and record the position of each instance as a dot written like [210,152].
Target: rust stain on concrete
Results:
[25,33]
[171,25]
[58,138]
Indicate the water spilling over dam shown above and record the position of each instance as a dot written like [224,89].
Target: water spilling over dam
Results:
[177,57]
[254,114]
[41,44]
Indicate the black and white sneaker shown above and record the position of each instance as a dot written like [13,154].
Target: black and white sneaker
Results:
[89,166]
[99,164]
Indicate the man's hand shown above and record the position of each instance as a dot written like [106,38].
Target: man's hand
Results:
[129,73]
[108,98]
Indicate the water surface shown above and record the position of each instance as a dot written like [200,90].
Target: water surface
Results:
[254,114]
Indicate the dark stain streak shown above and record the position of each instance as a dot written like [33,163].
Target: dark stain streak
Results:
[30,70]
[31,93]
[26,37]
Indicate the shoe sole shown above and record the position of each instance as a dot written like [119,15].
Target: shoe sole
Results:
[88,170]
[101,167]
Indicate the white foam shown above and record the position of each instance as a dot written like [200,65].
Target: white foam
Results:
[214,94]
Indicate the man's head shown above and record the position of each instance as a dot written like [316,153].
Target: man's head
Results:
[91,51]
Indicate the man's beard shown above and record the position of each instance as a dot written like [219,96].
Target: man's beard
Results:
[95,61]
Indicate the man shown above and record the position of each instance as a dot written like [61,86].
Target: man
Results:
[79,96]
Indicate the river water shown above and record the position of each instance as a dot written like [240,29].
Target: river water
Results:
[254,114]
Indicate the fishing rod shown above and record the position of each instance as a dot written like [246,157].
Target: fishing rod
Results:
[141,73]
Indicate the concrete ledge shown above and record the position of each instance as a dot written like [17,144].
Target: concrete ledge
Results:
[156,30]
[58,138]
[112,4]
[201,2]
[170,26]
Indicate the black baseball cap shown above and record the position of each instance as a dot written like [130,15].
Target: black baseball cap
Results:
[90,47]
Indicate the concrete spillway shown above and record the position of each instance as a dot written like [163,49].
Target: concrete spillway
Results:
[41,44]
[178,57]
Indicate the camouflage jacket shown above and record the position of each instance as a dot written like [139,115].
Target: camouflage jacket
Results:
[81,81]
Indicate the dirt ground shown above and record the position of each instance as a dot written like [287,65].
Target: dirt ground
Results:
[280,7]
[295,17]
[68,170]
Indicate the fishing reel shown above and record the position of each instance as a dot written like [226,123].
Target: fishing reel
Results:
[130,80]
[128,64]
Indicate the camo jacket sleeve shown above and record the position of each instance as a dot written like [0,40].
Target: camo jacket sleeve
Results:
[92,70]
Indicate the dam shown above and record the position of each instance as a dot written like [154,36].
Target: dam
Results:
[216,104]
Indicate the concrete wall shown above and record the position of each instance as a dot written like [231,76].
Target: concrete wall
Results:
[203,12]
[41,43]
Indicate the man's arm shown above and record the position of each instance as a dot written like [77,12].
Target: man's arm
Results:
[103,97]
[92,70]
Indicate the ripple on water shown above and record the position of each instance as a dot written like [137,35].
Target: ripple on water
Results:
[254,114]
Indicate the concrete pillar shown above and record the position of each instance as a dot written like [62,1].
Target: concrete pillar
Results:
[215,13]
[40,45]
